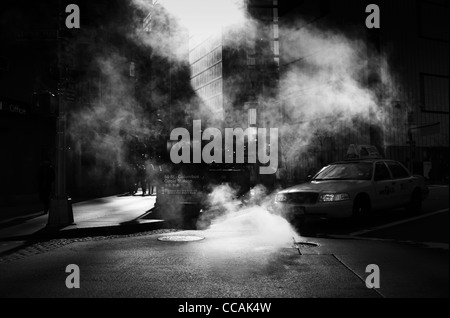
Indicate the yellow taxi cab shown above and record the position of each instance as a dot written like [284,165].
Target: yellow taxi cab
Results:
[363,183]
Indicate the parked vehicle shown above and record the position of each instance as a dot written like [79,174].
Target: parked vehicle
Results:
[356,187]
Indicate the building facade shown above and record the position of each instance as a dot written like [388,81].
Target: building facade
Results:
[45,65]
[27,88]
[234,71]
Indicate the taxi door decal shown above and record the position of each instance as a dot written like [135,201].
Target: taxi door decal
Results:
[387,190]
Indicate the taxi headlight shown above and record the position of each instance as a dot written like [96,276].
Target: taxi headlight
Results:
[281,198]
[334,197]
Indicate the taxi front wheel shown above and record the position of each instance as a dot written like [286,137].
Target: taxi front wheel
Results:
[361,208]
[299,224]
[299,221]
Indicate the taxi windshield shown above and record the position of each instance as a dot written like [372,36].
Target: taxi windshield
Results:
[346,171]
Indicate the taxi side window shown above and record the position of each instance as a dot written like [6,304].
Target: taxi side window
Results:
[381,172]
[398,172]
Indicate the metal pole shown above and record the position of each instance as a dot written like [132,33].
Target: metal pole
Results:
[410,141]
[60,213]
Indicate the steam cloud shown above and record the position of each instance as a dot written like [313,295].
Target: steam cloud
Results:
[110,121]
[325,92]
[327,86]
[251,218]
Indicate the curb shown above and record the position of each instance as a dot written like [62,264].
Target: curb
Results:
[433,245]
[60,233]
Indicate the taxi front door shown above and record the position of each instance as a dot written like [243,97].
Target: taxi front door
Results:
[386,192]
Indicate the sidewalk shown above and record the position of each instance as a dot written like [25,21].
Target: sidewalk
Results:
[103,215]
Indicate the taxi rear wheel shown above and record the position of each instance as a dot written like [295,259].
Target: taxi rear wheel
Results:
[415,203]
[361,208]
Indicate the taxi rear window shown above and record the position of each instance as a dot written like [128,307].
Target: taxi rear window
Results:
[346,171]
[398,172]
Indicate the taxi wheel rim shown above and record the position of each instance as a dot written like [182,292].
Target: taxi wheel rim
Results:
[360,211]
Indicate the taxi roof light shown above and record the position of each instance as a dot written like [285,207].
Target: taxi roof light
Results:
[362,152]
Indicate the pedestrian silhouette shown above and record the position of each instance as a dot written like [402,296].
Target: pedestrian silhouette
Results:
[141,178]
[46,177]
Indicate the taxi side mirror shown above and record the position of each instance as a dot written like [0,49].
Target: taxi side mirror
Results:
[309,178]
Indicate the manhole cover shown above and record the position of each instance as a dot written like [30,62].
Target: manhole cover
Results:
[305,245]
[180,238]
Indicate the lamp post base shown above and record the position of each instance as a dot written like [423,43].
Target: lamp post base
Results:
[61,213]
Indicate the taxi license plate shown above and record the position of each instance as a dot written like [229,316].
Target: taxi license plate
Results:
[298,210]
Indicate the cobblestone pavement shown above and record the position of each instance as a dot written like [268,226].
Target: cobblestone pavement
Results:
[30,248]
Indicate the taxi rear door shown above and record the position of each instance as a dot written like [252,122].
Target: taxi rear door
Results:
[404,181]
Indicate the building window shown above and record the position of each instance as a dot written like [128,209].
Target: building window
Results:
[206,62]
[276,48]
[276,34]
[277,61]
[275,14]
[132,69]
[434,93]
[252,117]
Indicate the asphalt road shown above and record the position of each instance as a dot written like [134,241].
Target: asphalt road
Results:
[239,257]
